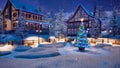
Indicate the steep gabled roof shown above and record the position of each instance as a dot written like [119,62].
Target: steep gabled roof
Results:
[25,7]
[78,8]
[86,10]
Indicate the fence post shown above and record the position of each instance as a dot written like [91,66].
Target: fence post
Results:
[22,42]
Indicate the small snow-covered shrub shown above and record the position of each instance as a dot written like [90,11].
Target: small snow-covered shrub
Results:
[22,48]
[5,53]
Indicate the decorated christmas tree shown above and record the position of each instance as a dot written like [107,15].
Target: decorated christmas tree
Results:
[81,39]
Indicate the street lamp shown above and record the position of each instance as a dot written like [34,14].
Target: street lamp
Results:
[39,31]
[38,36]
[82,19]
[108,38]
[17,25]
[27,26]
[108,35]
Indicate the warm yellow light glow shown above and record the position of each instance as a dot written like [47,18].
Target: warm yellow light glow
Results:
[33,41]
[52,37]
[61,40]
[82,19]
[94,41]
[7,47]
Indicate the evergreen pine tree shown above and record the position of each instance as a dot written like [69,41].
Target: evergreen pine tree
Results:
[81,39]
[60,26]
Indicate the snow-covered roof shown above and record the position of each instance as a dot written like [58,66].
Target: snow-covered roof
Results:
[33,21]
[78,9]
[25,7]
[10,38]
[37,22]
[87,11]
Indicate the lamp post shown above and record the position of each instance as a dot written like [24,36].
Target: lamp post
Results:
[108,38]
[109,34]
[26,25]
[39,31]
[38,36]
[17,22]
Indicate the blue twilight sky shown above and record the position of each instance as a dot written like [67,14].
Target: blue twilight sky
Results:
[67,5]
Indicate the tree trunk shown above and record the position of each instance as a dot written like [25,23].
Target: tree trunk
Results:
[81,48]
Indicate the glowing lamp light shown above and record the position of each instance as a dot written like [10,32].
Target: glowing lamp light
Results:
[16,21]
[110,31]
[26,23]
[36,30]
[82,19]
[87,31]
[105,31]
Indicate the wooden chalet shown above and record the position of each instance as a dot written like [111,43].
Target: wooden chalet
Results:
[74,21]
[32,15]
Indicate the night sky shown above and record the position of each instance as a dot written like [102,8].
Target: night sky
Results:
[67,5]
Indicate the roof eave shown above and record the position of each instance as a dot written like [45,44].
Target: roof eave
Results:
[4,6]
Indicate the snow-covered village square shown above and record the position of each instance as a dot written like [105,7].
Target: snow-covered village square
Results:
[59,33]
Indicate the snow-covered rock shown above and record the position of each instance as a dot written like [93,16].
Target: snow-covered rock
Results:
[7,48]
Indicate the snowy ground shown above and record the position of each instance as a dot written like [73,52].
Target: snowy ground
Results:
[51,56]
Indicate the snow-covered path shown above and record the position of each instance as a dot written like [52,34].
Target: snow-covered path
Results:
[106,57]
[69,49]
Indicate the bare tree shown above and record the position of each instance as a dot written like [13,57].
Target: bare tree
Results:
[52,22]
[20,29]
[60,26]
